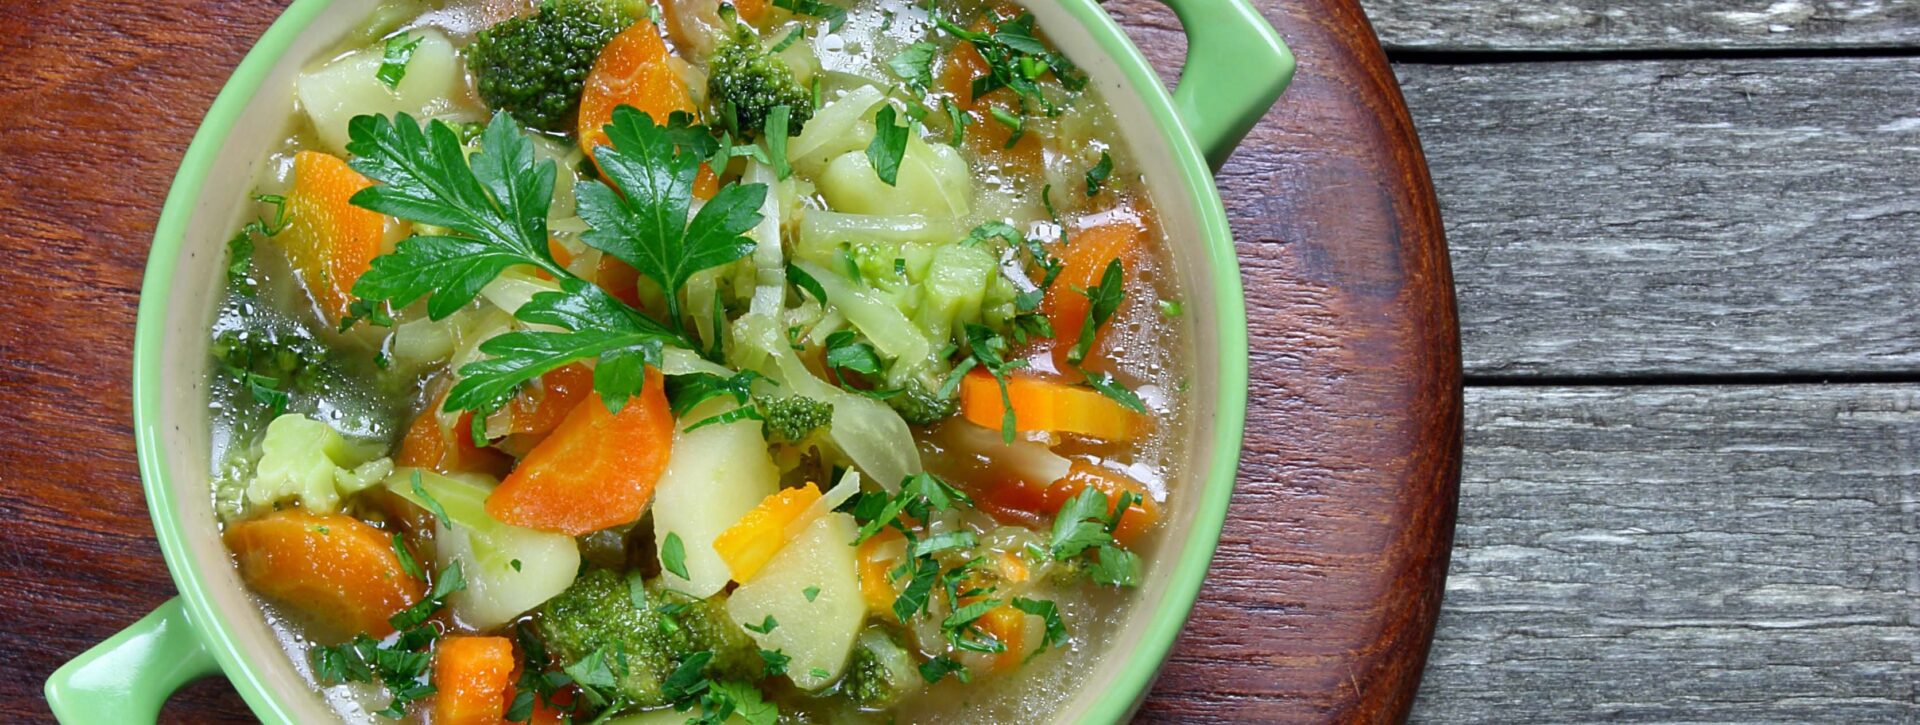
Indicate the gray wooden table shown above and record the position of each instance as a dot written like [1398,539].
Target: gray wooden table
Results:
[1685,236]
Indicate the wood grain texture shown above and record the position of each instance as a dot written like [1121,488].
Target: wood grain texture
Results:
[1665,218]
[1324,586]
[1328,579]
[1684,554]
[1644,25]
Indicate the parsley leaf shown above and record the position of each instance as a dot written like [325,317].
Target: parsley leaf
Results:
[1116,567]
[913,599]
[433,505]
[1105,298]
[496,206]
[778,118]
[833,14]
[641,218]
[1056,632]
[399,52]
[938,668]
[888,146]
[811,593]
[765,626]
[1099,174]
[673,556]
[601,328]
[987,349]
[686,391]
[914,64]
[775,662]
[1080,524]
[407,562]
[1111,388]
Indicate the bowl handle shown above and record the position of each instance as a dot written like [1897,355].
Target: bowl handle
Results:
[128,677]
[1236,68]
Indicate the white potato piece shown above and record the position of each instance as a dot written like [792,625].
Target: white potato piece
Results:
[508,569]
[933,180]
[818,633]
[346,87]
[714,476]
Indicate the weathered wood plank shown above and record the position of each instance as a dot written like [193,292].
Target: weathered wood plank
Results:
[1679,217]
[1684,554]
[1603,25]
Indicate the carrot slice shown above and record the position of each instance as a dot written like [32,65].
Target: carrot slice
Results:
[330,567]
[1009,626]
[1082,475]
[878,556]
[470,677]
[1019,502]
[427,445]
[329,241]
[986,136]
[1084,260]
[1043,405]
[633,70]
[747,545]
[596,470]
[535,412]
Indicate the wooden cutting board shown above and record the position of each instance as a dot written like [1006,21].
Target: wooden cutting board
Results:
[1322,597]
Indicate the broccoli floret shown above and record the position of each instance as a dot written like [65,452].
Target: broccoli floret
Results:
[598,611]
[534,66]
[795,417]
[881,671]
[919,406]
[745,81]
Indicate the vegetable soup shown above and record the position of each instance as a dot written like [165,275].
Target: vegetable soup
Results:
[753,361]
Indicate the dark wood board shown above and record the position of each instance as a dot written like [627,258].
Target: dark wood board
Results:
[1323,595]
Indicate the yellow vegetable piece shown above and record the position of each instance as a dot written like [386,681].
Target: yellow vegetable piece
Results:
[749,544]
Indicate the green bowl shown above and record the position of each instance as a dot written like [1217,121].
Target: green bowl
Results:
[1236,67]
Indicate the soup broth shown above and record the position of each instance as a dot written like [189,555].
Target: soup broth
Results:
[753,361]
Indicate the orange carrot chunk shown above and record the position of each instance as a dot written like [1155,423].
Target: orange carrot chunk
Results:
[1043,405]
[877,557]
[1084,260]
[536,411]
[471,675]
[747,545]
[330,567]
[1009,626]
[596,470]
[449,451]
[633,70]
[329,241]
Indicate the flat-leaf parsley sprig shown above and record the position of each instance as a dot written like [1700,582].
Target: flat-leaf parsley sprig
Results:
[495,205]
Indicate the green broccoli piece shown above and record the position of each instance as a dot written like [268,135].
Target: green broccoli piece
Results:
[534,66]
[745,81]
[795,417]
[599,612]
[919,406]
[881,672]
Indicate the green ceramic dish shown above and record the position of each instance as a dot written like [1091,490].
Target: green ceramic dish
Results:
[1236,68]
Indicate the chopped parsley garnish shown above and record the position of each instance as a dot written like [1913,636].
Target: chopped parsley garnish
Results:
[765,626]
[833,14]
[1086,524]
[914,64]
[432,504]
[937,669]
[1099,173]
[775,662]
[673,556]
[1105,299]
[777,119]
[393,66]
[888,146]
[811,593]
[407,562]
[1111,388]
[1056,629]
[1013,123]
[240,247]
[400,664]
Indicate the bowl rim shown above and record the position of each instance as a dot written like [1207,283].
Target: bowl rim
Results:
[1221,268]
